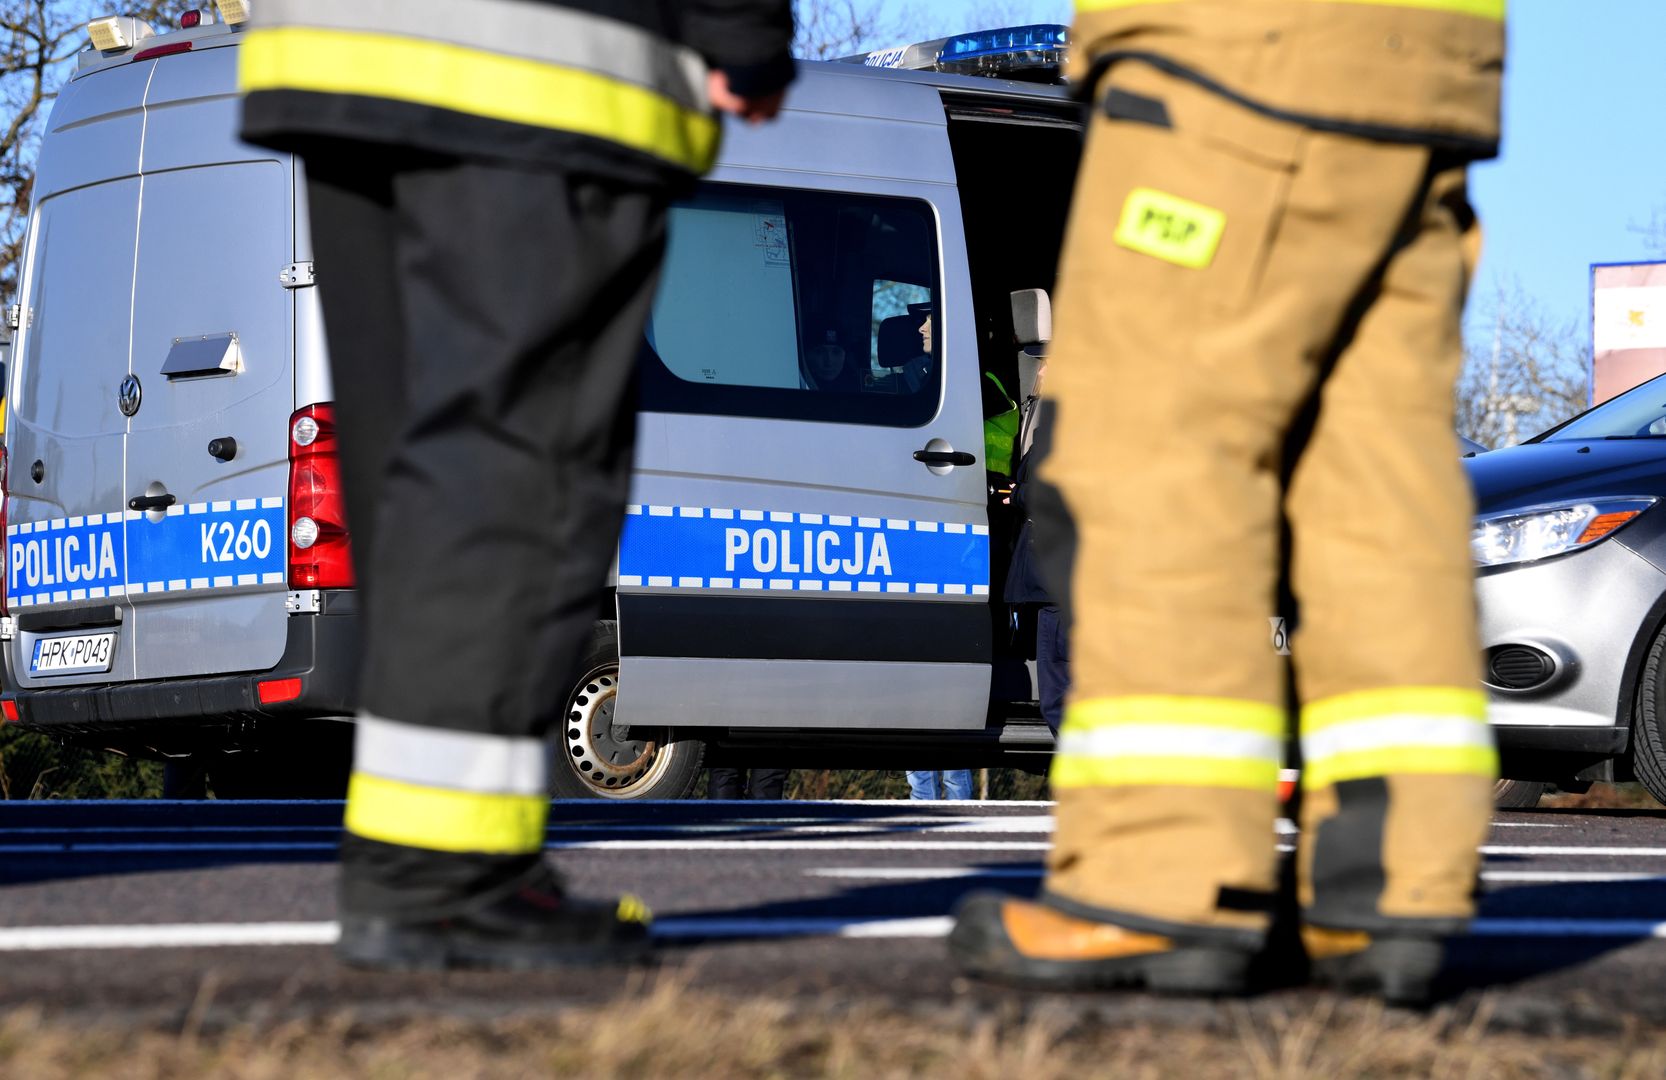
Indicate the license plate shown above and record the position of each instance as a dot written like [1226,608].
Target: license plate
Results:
[73,654]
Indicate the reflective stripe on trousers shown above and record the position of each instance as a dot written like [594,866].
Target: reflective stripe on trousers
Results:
[1163,740]
[561,71]
[439,790]
[1413,730]
[1483,9]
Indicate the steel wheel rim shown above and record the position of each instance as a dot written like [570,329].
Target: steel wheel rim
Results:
[607,765]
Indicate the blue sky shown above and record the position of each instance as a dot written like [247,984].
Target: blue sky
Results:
[1585,137]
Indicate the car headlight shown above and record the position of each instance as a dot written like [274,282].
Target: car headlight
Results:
[1538,532]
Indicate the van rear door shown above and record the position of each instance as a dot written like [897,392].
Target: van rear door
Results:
[213,330]
[65,557]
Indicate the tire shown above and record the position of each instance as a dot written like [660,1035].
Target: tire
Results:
[1516,794]
[591,757]
[1648,735]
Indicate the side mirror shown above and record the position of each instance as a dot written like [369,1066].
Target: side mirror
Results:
[1032,317]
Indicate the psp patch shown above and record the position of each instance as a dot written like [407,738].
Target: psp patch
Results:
[200,546]
[1170,228]
[692,547]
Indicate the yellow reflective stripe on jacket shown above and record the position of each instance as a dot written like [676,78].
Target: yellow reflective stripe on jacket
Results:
[478,83]
[1483,9]
[1418,730]
[1170,741]
[440,819]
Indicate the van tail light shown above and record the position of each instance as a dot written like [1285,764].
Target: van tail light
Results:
[319,553]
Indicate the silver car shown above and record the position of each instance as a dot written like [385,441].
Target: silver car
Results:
[1571,555]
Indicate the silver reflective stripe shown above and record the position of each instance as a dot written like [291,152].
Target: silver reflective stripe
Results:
[1170,740]
[459,760]
[1401,730]
[530,31]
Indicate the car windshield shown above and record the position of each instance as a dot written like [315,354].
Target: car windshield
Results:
[1639,413]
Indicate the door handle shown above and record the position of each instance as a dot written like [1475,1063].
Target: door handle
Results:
[151,502]
[944,457]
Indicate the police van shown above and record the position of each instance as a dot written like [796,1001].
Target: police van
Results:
[811,567]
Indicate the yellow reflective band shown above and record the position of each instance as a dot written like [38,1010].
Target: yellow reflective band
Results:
[1392,700]
[439,819]
[479,83]
[1151,709]
[1170,228]
[1402,761]
[1481,9]
[1072,771]
[632,909]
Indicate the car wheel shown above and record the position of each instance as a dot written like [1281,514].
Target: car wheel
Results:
[1648,734]
[1516,794]
[593,756]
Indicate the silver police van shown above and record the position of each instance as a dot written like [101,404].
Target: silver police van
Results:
[811,567]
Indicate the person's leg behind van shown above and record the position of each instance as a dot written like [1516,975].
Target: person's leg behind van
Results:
[957,784]
[922,784]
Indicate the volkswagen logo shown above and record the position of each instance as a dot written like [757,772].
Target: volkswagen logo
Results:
[130,395]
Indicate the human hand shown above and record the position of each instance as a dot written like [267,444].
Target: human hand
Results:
[754,110]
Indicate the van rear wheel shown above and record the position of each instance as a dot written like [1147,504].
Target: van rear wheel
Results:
[595,756]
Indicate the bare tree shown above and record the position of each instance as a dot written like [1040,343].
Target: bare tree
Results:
[828,29]
[38,42]
[1524,371]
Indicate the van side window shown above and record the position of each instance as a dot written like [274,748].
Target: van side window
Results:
[796,305]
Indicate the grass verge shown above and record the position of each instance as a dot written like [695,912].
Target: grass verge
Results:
[667,1030]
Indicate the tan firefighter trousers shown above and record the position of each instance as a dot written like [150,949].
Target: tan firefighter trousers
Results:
[1224,273]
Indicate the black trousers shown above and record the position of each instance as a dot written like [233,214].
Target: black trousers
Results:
[483,322]
[737,784]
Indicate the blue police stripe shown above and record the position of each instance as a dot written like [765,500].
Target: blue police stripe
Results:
[680,547]
[203,546]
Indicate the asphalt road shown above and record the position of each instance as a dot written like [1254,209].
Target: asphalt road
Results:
[148,911]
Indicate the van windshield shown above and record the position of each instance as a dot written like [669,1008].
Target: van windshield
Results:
[1639,413]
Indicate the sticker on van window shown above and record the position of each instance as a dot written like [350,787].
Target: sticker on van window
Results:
[200,546]
[691,547]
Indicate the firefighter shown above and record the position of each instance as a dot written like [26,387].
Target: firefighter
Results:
[1259,314]
[488,186]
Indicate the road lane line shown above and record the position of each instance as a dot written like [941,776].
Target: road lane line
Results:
[166,936]
[951,873]
[1570,877]
[224,935]
[1542,849]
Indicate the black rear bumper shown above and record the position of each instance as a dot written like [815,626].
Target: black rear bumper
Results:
[322,651]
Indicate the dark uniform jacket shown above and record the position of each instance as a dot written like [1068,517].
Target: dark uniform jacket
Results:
[614,88]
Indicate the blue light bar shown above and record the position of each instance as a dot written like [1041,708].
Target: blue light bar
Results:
[1017,39]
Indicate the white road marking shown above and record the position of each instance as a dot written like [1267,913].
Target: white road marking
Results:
[1565,876]
[166,936]
[1542,849]
[951,873]
[222,935]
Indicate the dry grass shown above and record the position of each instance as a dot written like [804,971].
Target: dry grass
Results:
[1605,797]
[666,1030]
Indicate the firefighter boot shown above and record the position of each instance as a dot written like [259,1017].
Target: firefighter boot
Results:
[1401,969]
[535,926]
[1016,941]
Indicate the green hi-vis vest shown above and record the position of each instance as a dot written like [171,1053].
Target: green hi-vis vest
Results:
[1000,433]
[536,80]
